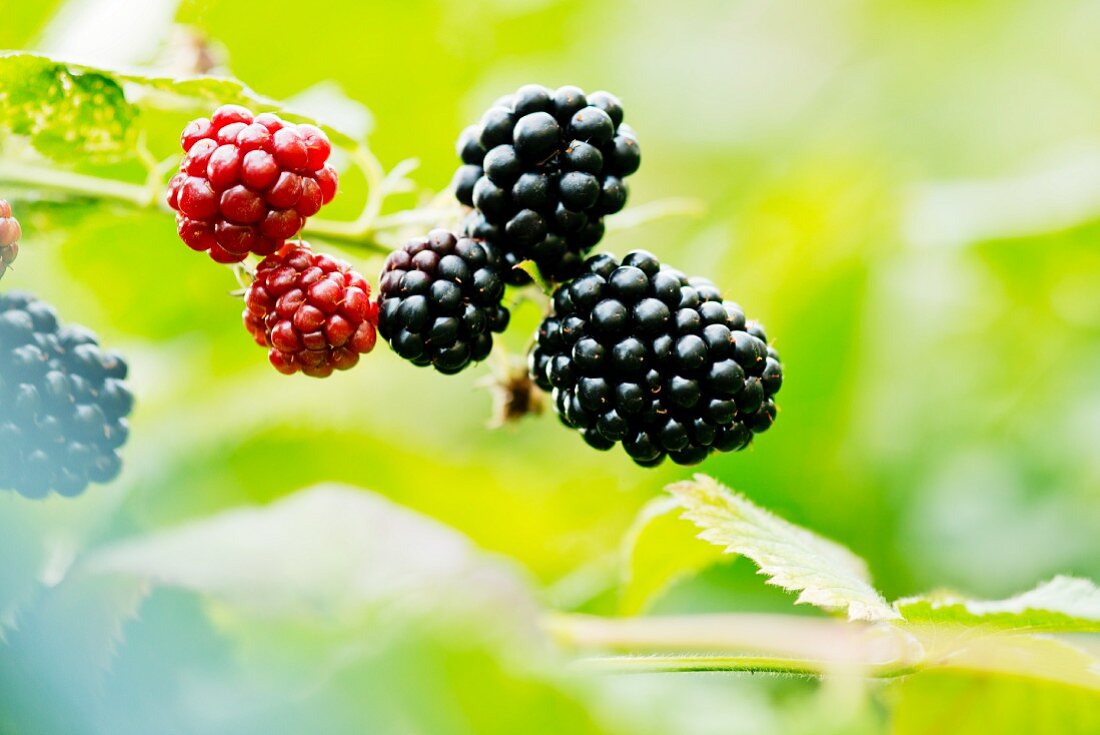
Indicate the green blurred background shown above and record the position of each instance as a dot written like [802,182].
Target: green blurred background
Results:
[906,193]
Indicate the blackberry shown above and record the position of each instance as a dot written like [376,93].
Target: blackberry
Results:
[312,312]
[440,301]
[541,170]
[640,354]
[248,183]
[63,403]
[10,233]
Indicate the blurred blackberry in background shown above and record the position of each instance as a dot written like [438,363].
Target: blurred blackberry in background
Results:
[541,170]
[640,354]
[440,301]
[63,403]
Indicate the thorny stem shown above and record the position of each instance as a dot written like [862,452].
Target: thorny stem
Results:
[692,664]
[780,644]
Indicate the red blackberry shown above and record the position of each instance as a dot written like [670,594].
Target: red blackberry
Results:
[541,170]
[640,354]
[10,233]
[312,311]
[248,183]
[440,301]
[63,403]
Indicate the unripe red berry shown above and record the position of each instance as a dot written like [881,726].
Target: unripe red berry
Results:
[247,183]
[242,205]
[281,224]
[195,131]
[10,234]
[312,312]
[259,170]
[254,137]
[224,167]
[309,203]
[229,114]
[197,198]
[286,191]
[228,134]
[290,150]
[326,177]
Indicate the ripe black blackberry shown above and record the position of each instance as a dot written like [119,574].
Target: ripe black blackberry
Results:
[63,403]
[439,301]
[541,170]
[640,354]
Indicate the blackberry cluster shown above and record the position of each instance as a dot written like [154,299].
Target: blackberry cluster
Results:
[541,170]
[440,301]
[248,183]
[312,312]
[63,403]
[10,233]
[640,354]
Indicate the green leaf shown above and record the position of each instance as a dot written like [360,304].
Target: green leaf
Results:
[72,110]
[201,95]
[950,702]
[824,573]
[205,91]
[1064,604]
[68,112]
[81,620]
[330,549]
[531,269]
[950,646]
[660,549]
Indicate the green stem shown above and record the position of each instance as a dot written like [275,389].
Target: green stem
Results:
[737,642]
[691,664]
[746,664]
[82,185]
[359,234]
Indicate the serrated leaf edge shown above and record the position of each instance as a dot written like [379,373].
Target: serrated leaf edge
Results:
[858,597]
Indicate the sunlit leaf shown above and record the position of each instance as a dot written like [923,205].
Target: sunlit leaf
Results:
[67,112]
[660,549]
[1062,604]
[824,573]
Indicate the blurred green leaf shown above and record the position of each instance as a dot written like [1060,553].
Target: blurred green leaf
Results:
[1063,604]
[332,550]
[988,651]
[824,573]
[955,703]
[660,549]
[68,112]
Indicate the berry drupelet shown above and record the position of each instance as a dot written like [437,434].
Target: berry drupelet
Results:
[440,301]
[541,170]
[63,403]
[312,312]
[10,233]
[248,183]
[640,354]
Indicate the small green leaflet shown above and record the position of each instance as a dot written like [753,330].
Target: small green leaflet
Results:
[659,550]
[67,112]
[530,268]
[1063,604]
[824,573]
[72,111]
